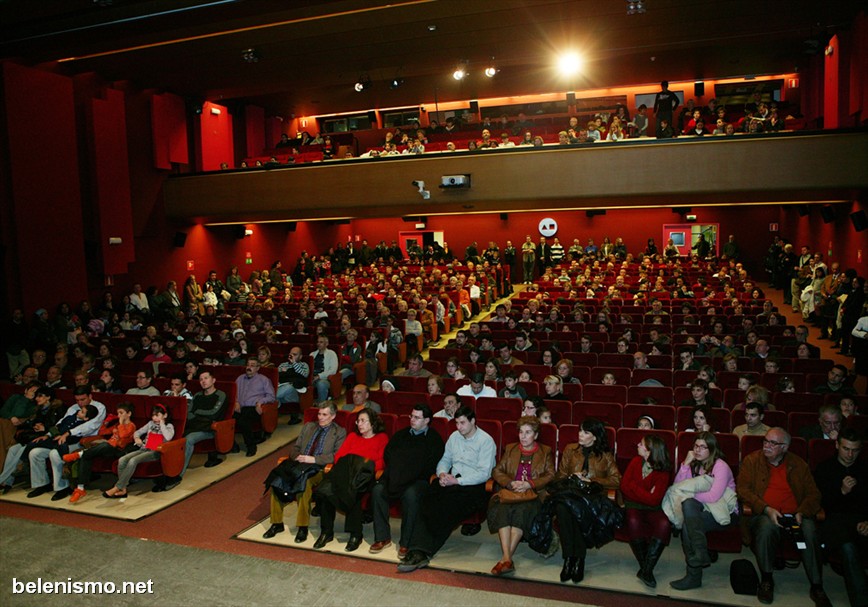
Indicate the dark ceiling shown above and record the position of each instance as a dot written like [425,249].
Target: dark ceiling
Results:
[311,52]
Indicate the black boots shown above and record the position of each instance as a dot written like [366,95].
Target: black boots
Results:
[569,565]
[646,572]
[640,550]
[693,579]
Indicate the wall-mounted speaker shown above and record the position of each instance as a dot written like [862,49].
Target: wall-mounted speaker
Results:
[681,210]
[239,232]
[860,220]
[474,106]
[291,226]
[504,216]
[828,214]
[804,210]
[698,89]
[179,240]
[595,212]
[571,99]
[372,116]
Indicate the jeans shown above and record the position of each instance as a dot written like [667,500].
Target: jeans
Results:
[128,463]
[322,389]
[13,457]
[286,393]
[192,439]
[38,472]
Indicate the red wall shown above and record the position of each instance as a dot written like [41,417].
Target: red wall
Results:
[214,143]
[168,121]
[218,248]
[46,255]
[111,181]
[839,236]
[254,125]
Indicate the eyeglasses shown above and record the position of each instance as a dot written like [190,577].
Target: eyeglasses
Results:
[701,447]
[773,443]
[417,417]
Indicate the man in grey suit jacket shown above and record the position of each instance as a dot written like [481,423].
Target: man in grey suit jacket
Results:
[317,444]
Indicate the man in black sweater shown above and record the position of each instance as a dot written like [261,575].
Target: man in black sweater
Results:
[843,483]
[411,458]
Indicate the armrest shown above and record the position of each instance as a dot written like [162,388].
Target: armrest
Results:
[360,372]
[224,434]
[269,417]
[172,456]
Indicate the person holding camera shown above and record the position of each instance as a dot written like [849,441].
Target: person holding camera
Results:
[780,491]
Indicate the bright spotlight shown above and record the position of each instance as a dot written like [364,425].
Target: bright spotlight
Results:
[490,71]
[459,73]
[569,64]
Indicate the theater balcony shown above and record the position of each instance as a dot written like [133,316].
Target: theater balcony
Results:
[786,167]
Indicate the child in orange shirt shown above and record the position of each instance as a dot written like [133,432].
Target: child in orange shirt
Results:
[114,447]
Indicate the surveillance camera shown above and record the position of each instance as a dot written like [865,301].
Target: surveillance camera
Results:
[420,185]
[426,194]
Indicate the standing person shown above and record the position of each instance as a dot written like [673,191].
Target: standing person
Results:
[528,258]
[705,459]
[509,255]
[643,486]
[525,469]
[665,103]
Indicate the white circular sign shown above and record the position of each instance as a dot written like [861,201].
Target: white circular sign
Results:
[548,227]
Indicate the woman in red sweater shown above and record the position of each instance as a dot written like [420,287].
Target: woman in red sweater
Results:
[643,485]
[368,441]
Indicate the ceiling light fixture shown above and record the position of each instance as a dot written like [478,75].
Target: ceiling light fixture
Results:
[569,63]
[395,83]
[491,70]
[250,55]
[364,82]
[460,71]
[635,7]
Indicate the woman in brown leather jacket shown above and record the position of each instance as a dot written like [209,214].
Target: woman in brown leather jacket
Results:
[590,460]
[525,466]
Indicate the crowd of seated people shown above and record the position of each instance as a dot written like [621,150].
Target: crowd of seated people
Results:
[456,134]
[619,340]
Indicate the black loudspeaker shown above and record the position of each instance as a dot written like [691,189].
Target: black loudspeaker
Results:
[804,210]
[238,231]
[594,212]
[474,106]
[828,214]
[698,89]
[681,210]
[179,240]
[571,99]
[372,116]
[290,227]
[504,216]
[860,220]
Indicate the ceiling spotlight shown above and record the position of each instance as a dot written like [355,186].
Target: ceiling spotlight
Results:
[491,70]
[569,64]
[395,83]
[635,7]
[432,28]
[250,55]
[460,71]
[362,83]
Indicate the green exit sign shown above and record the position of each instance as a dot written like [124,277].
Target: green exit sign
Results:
[249,261]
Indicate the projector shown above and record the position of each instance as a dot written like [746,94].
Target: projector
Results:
[455,181]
